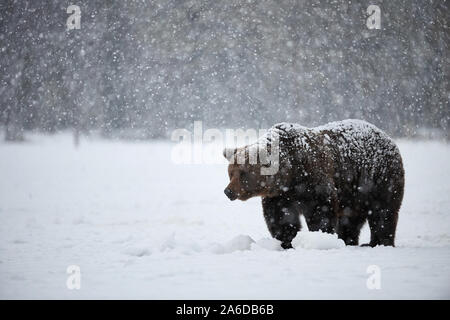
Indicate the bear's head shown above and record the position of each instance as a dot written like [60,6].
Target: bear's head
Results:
[246,178]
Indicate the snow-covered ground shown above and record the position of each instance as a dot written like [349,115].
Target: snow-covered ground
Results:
[140,226]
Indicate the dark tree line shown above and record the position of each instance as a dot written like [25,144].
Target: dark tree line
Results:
[147,67]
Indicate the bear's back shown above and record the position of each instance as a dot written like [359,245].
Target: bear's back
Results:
[359,142]
[354,145]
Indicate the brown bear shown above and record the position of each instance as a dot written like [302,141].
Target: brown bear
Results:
[338,176]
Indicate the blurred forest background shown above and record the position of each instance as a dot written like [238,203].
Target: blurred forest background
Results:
[139,69]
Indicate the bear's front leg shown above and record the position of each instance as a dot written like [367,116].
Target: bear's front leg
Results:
[282,218]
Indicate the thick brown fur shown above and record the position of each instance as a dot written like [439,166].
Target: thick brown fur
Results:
[338,176]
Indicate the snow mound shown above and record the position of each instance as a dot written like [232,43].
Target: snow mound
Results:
[171,243]
[317,240]
[267,244]
[137,251]
[239,243]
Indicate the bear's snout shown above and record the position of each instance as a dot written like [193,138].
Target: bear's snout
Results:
[230,194]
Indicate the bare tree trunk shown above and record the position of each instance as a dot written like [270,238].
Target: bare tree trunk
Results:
[76,136]
[14,128]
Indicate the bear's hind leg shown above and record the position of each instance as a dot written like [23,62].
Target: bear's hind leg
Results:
[349,229]
[382,223]
[320,217]
[282,219]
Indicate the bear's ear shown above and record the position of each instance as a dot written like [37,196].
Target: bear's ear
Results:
[229,153]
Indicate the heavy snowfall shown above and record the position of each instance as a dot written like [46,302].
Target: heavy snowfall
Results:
[140,226]
[93,204]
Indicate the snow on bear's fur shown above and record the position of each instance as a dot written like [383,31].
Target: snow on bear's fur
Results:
[337,175]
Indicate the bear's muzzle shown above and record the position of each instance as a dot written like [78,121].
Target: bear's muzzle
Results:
[230,194]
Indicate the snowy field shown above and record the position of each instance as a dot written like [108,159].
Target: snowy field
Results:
[140,226]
